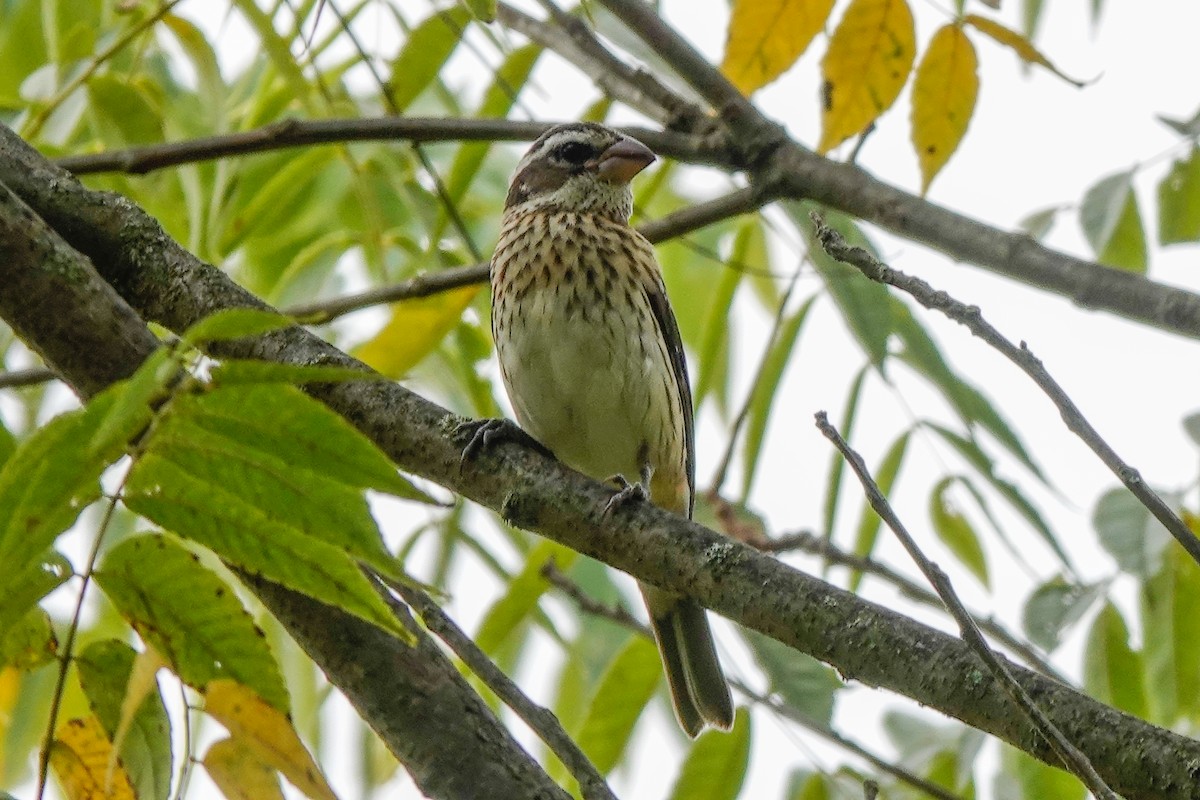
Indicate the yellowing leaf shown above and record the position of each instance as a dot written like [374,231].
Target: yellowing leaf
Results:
[268,732]
[81,755]
[868,61]
[767,36]
[240,774]
[943,98]
[416,327]
[1017,43]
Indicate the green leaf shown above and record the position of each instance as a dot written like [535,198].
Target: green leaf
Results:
[712,376]
[285,422]
[1030,18]
[1191,426]
[249,538]
[923,355]
[428,47]
[190,616]
[1022,777]
[122,111]
[235,323]
[715,766]
[1039,223]
[482,10]
[766,384]
[1129,533]
[48,481]
[1112,671]
[865,304]
[626,688]
[524,591]
[1179,201]
[24,589]
[869,522]
[956,532]
[498,100]
[28,642]
[1171,639]
[1054,607]
[145,751]
[235,371]
[1112,223]
[1011,493]
[802,682]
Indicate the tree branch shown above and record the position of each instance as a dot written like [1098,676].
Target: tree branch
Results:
[426,713]
[970,317]
[1067,752]
[863,641]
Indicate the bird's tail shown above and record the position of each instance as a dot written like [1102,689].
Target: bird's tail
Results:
[698,687]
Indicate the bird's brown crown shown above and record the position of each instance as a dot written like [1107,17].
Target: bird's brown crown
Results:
[580,167]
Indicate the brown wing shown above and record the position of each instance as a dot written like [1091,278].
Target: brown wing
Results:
[668,328]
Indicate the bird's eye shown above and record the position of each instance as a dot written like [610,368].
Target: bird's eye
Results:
[574,152]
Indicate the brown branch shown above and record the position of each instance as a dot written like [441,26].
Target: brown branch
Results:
[1070,755]
[970,317]
[543,722]
[862,640]
[302,133]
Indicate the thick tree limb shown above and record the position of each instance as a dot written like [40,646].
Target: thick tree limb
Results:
[61,308]
[422,708]
[862,640]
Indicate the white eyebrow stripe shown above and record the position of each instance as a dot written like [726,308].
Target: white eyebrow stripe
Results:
[572,135]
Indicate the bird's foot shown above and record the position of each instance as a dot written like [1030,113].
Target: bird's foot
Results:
[484,433]
[627,493]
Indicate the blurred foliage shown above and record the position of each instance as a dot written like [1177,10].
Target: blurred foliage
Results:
[242,466]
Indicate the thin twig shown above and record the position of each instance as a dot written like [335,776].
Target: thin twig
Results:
[26,377]
[591,783]
[970,316]
[810,543]
[305,132]
[614,613]
[1070,756]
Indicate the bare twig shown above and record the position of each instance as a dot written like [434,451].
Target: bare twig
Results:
[305,132]
[26,377]
[614,613]
[591,783]
[970,316]
[1071,757]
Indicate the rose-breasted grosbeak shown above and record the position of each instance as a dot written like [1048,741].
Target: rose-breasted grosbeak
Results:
[592,360]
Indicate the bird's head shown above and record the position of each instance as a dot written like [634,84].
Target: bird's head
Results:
[580,167]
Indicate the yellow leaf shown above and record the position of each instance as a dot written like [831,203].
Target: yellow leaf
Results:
[81,756]
[868,61]
[1017,43]
[240,774]
[416,327]
[268,732]
[767,36]
[943,98]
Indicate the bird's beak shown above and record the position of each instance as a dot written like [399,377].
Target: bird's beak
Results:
[620,162]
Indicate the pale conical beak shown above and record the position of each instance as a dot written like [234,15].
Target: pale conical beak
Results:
[620,162]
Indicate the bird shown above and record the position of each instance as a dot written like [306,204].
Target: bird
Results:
[593,364]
